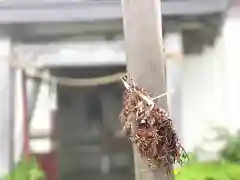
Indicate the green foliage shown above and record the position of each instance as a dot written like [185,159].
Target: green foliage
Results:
[227,168]
[209,171]
[231,151]
[26,170]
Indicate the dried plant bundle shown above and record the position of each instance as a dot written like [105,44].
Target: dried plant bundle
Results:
[149,128]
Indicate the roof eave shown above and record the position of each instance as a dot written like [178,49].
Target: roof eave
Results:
[80,12]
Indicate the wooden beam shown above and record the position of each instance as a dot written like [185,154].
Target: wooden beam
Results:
[8,140]
[145,61]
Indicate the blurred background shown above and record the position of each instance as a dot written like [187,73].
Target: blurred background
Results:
[70,128]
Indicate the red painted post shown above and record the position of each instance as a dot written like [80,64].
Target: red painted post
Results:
[26,148]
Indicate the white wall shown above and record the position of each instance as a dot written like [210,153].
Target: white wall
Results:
[211,86]
[200,75]
[231,38]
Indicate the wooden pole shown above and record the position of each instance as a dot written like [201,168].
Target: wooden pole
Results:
[25,116]
[11,111]
[145,62]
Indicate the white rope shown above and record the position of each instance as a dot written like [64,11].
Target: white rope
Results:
[146,98]
[76,82]
[44,75]
[162,95]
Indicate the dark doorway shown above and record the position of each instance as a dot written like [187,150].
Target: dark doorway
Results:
[87,121]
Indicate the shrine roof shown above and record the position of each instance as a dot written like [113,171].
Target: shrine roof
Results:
[18,11]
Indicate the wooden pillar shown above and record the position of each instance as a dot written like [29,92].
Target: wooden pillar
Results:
[173,45]
[7,92]
[144,51]
[25,117]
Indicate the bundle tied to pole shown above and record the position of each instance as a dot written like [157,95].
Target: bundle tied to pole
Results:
[150,128]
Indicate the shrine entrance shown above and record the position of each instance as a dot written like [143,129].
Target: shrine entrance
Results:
[88,147]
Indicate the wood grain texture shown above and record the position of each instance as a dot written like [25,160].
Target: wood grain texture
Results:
[144,51]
